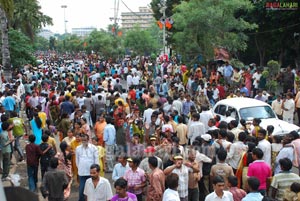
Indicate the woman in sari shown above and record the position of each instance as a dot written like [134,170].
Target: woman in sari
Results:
[242,170]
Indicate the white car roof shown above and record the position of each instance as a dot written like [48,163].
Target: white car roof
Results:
[239,103]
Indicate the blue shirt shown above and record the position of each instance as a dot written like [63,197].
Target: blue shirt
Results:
[119,171]
[254,196]
[9,103]
[109,134]
[186,107]
[228,70]
[67,107]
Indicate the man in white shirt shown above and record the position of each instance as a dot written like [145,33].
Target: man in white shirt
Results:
[86,155]
[205,116]
[288,107]
[276,106]
[264,145]
[129,80]
[147,114]
[236,150]
[135,80]
[196,128]
[96,187]
[177,104]
[219,193]
[171,193]
[182,170]
[256,78]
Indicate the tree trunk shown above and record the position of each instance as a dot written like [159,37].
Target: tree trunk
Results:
[261,52]
[5,45]
[281,56]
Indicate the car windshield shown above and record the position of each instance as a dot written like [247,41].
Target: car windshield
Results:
[261,112]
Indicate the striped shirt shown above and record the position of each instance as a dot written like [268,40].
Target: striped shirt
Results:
[135,178]
[183,174]
[282,181]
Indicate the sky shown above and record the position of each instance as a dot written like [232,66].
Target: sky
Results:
[85,13]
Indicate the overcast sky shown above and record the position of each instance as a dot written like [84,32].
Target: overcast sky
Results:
[85,13]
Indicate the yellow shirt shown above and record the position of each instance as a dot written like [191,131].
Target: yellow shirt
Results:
[51,141]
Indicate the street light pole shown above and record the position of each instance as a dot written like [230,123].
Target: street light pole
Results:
[65,21]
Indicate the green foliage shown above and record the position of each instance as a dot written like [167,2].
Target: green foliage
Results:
[237,63]
[141,42]
[28,18]
[202,25]
[104,43]
[8,7]
[274,37]
[272,85]
[21,50]
[273,67]
[41,43]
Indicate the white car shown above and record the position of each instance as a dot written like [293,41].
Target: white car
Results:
[248,109]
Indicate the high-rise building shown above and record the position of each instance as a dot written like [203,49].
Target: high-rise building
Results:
[144,18]
[83,31]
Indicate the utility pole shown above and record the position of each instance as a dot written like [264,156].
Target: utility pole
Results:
[163,11]
[65,21]
[115,17]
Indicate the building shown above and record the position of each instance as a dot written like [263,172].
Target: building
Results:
[83,31]
[144,19]
[46,33]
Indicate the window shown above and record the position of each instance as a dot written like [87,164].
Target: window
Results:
[221,110]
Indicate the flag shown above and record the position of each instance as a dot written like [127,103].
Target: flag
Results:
[160,25]
[169,23]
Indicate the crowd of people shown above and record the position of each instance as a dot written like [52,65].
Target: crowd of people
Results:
[150,124]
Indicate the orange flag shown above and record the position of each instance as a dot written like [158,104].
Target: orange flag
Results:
[160,25]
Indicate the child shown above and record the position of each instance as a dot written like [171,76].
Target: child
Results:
[69,137]
[6,149]
[45,159]
[33,153]
[101,151]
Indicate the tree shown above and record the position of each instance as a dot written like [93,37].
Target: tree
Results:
[41,43]
[103,43]
[140,41]
[6,12]
[28,18]
[202,25]
[21,49]
[276,35]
